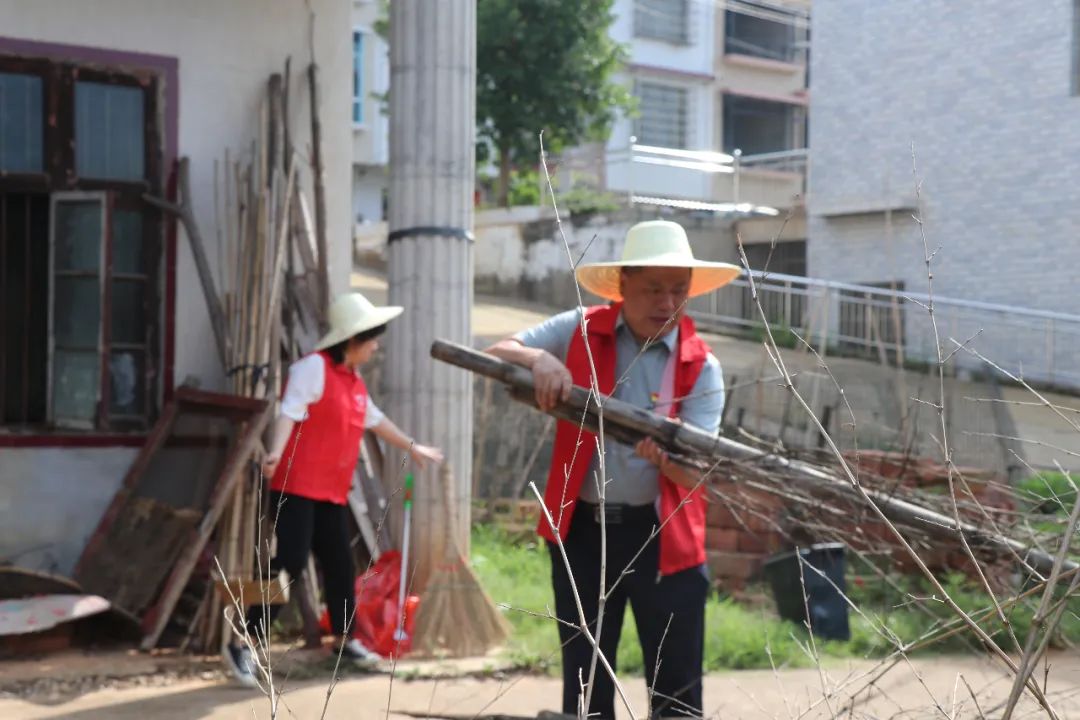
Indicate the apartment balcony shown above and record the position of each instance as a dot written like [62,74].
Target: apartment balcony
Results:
[706,180]
[775,180]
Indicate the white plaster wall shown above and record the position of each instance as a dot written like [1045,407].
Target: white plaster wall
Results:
[226,52]
[51,500]
[367,189]
[499,252]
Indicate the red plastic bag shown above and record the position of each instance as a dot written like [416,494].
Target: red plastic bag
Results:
[377,611]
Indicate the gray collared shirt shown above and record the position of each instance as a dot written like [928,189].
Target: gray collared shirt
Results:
[631,479]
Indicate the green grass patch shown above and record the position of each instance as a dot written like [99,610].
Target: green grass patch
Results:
[517,573]
[1050,493]
[784,336]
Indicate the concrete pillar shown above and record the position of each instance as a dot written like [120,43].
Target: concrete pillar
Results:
[432,169]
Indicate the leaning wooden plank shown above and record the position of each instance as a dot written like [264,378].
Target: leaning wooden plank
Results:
[248,442]
[320,188]
[305,234]
[143,532]
[186,213]
[628,424]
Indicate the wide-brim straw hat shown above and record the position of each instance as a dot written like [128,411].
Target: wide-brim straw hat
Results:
[656,243]
[351,314]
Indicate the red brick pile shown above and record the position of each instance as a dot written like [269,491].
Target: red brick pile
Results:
[743,528]
[747,525]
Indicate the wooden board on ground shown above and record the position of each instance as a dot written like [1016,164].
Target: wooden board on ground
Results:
[150,537]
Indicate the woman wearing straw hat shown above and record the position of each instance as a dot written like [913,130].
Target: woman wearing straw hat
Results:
[315,447]
[645,351]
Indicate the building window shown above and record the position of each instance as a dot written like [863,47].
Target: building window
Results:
[761,32]
[664,114]
[761,126]
[21,126]
[109,141]
[666,20]
[357,77]
[80,250]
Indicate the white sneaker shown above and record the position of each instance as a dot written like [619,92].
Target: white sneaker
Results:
[240,663]
[354,650]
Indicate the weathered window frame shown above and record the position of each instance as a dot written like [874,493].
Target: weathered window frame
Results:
[59,178]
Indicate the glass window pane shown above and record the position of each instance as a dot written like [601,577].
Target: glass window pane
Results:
[109,131]
[759,37]
[757,126]
[358,77]
[78,235]
[75,385]
[126,386]
[76,312]
[128,311]
[21,124]
[127,242]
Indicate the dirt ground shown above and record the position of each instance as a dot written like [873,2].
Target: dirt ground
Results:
[952,687]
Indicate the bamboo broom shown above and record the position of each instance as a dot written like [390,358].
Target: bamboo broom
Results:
[456,617]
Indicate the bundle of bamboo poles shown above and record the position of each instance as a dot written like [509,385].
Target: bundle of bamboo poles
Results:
[268,302]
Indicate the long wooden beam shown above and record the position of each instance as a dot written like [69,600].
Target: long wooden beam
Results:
[628,424]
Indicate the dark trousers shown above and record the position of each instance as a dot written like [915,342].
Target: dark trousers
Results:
[303,527]
[669,613]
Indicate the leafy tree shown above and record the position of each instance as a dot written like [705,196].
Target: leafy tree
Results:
[545,65]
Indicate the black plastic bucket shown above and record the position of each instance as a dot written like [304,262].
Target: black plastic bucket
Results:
[828,609]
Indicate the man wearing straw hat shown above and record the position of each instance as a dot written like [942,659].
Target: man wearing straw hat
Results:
[646,352]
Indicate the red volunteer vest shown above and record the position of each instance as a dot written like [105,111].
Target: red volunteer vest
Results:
[320,457]
[682,539]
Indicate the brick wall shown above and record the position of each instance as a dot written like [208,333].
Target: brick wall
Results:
[746,524]
[983,89]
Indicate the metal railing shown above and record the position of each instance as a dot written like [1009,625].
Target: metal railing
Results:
[792,161]
[893,325]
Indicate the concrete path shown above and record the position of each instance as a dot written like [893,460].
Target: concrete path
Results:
[937,687]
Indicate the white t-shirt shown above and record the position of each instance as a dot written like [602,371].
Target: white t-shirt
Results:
[307,378]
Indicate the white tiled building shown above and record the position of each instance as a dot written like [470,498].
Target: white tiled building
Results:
[370,123]
[715,80]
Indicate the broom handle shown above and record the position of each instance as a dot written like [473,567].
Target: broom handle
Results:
[452,549]
[405,553]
